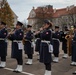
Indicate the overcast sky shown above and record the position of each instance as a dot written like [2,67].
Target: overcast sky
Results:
[23,7]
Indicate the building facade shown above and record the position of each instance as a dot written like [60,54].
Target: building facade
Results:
[60,17]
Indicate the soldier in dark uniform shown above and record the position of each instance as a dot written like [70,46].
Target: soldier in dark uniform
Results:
[74,48]
[16,37]
[28,46]
[56,43]
[64,42]
[38,41]
[46,47]
[3,44]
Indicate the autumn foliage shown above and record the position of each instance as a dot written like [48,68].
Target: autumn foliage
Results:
[6,15]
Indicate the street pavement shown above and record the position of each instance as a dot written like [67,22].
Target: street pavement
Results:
[37,68]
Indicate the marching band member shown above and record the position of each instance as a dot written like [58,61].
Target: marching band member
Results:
[3,44]
[64,42]
[38,41]
[74,48]
[16,37]
[28,46]
[56,43]
[46,47]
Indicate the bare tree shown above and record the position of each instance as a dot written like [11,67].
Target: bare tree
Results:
[72,15]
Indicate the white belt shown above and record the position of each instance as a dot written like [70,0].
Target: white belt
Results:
[50,47]
[2,39]
[37,38]
[16,41]
[20,45]
[55,39]
[45,41]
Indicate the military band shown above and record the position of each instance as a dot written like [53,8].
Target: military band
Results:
[64,42]
[17,46]
[56,44]
[45,47]
[47,43]
[3,44]
[38,41]
[74,48]
[28,46]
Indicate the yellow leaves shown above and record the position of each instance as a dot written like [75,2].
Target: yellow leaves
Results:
[6,15]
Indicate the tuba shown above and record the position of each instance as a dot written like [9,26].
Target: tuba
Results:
[69,41]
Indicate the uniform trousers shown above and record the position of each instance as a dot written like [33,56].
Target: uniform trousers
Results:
[3,58]
[19,61]
[64,47]
[47,66]
[56,54]
[30,56]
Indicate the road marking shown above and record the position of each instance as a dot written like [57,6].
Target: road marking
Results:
[21,72]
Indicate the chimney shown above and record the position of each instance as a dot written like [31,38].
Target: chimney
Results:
[55,10]
[67,8]
[33,7]
[72,6]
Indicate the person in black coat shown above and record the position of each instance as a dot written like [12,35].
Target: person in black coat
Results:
[3,44]
[74,48]
[17,46]
[38,41]
[46,47]
[64,42]
[28,45]
[56,43]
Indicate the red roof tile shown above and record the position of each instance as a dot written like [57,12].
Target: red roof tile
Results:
[48,12]
[43,12]
[59,12]
[64,11]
